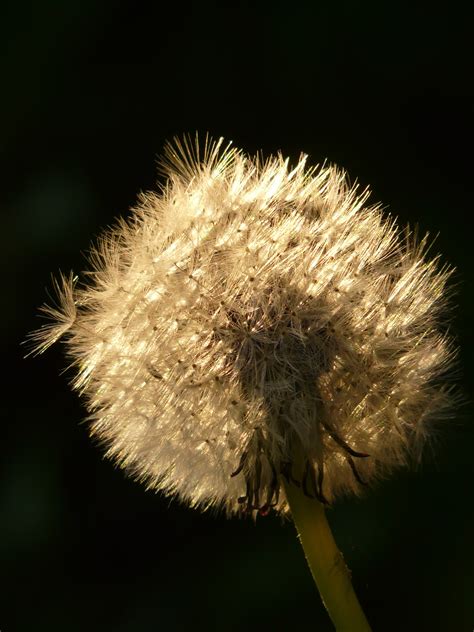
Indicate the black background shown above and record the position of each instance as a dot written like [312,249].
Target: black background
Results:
[90,92]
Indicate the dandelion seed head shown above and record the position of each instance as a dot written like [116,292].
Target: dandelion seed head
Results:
[252,320]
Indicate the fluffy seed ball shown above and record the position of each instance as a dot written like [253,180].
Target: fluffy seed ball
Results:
[253,321]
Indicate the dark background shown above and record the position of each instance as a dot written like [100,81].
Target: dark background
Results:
[90,91]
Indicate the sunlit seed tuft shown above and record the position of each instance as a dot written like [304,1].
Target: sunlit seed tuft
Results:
[252,321]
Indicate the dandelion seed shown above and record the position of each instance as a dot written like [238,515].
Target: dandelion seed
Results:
[61,317]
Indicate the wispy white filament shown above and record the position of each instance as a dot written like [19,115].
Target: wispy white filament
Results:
[252,321]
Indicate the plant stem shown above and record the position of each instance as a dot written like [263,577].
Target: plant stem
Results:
[325,561]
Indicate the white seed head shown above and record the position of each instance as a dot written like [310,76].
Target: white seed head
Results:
[251,321]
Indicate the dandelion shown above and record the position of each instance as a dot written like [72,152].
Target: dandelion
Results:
[258,337]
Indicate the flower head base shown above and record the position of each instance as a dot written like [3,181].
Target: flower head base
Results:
[252,321]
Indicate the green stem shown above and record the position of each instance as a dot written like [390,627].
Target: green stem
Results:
[326,562]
